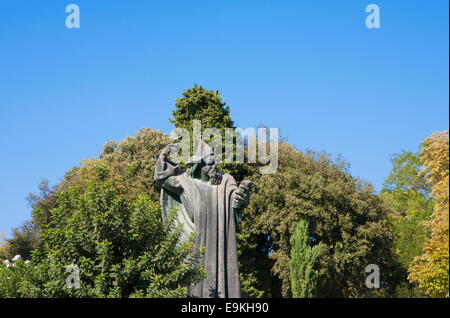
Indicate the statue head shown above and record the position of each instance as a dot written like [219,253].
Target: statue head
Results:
[202,165]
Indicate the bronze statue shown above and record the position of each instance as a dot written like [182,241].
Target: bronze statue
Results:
[209,203]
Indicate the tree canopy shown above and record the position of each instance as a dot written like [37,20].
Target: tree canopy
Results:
[346,217]
[431,268]
[201,104]
[104,217]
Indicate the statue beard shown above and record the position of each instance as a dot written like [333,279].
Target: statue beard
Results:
[214,176]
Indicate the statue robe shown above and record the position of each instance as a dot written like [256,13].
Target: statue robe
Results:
[207,210]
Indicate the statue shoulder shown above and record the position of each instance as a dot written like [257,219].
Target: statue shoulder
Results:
[228,178]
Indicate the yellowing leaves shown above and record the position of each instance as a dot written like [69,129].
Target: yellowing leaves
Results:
[431,269]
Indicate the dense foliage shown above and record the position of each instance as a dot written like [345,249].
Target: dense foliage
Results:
[120,245]
[25,239]
[303,272]
[201,104]
[104,217]
[408,195]
[346,217]
[431,268]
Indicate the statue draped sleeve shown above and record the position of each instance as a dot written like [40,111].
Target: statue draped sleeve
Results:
[165,174]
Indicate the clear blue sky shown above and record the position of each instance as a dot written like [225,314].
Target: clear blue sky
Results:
[311,68]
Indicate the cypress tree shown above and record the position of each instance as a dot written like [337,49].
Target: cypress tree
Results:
[303,258]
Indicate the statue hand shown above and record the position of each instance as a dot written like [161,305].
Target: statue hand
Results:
[240,198]
[170,148]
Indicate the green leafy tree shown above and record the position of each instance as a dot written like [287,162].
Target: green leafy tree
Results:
[346,217]
[3,246]
[13,273]
[132,162]
[303,262]
[408,195]
[104,217]
[201,104]
[121,246]
[44,200]
[24,240]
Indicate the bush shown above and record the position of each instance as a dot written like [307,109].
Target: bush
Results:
[121,247]
[12,275]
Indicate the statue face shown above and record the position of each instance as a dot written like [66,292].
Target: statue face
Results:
[208,170]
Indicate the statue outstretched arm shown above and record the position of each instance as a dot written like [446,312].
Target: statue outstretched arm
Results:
[166,171]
